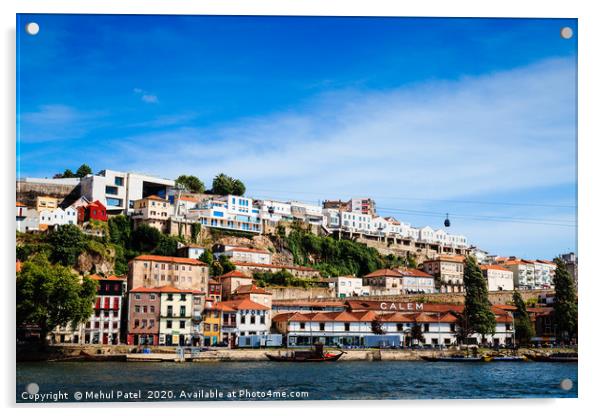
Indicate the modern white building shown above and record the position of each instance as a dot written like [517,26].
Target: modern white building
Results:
[544,271]
[270,210]
[229,212]
[523,272]
[118,190]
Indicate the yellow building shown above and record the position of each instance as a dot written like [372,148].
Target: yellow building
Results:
[46,203]
[212,318]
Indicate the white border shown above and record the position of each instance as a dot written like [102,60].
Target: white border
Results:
[590,68]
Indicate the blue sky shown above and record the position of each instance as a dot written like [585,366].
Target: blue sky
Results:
[471,117]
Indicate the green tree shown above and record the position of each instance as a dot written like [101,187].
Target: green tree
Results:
[51,295]
[67,173]
[481,319]
[238,188]
[145,238]
[120,230]
[523,328]
[225,185]
[67,243]
[565,302]
[166,246]
[226,264]
[191,183]
[83,170]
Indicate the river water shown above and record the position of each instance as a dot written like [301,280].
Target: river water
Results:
[113,381]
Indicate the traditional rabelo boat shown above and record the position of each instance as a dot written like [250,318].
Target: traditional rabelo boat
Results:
[316,354]
[456,358]
[557,357]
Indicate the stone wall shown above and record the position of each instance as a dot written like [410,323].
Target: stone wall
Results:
[280,293]
[28,191]
[499,297]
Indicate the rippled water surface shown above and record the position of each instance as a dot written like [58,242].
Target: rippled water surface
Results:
[315,381]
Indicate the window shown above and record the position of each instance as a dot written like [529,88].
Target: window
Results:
[118,181]
[114,202]
[182,310]
[302,325]
[322,326]
[110,190]
[399,327]
[182,324]
[169,310]
[347,326]
[152,297]
[152,309]
[183,295]
[137,308]
[137,297]
[252,320]
[168,324]
[136,323]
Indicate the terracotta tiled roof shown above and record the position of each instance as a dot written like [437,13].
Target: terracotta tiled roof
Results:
[167,259]
[243,289]
[494,267]
[156,198]
[234,273]
[111,277]
[455,259]
[239,304]
[384,273]
[187,198]
[547,262]
[414,273]
[20,204]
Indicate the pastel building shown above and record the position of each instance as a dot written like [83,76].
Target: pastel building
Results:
[231,281]
[416,281]
[153,211]
[144,305]
[243,317]
[104,326]
[448,272]
[176,318]
[154,271]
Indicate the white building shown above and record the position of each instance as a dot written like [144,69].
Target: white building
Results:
[27,219]
[346,286]
[229,212]
[270,210]
[56,217]
[241,317]
[246,255]
[416,281]
[498,277]
[118,190]
[544,271]
[523,273]
[309,213]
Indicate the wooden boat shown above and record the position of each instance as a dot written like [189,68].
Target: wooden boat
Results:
[508,358]
[558,357]
[316,354]
[456,358]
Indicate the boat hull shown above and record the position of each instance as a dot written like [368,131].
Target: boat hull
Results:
[285,359]
[552,359]
[455,359]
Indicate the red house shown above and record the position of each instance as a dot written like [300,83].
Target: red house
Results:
[93,211]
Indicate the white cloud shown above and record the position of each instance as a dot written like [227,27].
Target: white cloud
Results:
[56,122]
[502,132]
[145,96]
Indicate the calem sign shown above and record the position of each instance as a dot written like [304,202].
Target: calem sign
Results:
[400,306]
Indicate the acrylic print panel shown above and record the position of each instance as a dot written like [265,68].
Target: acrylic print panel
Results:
[295,208]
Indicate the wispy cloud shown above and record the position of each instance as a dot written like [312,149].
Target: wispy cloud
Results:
[508,130]
[57,122]
[146,97]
